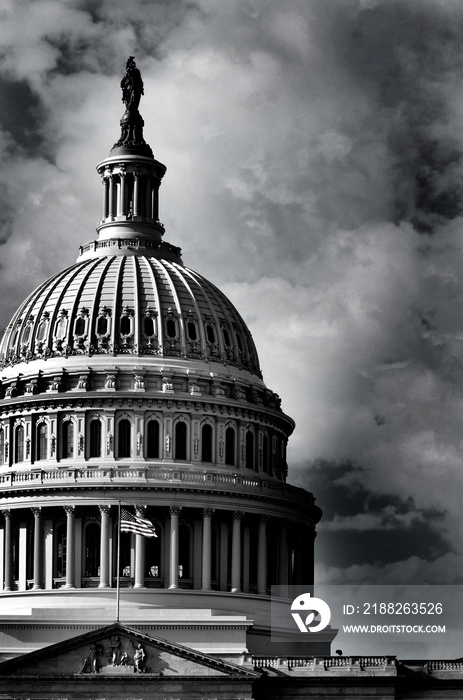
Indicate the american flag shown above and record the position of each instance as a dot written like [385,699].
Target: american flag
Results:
[137,524]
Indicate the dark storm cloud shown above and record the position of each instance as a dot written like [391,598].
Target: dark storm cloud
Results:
[410,53]
[21,115]
[363,527]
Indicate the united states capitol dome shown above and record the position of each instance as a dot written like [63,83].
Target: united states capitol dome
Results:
[130,388]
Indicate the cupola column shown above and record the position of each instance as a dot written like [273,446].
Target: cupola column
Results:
[148,198]
[262,556]
[70,541]
[38,549]
[104,547]
[140,554]
[105,182]
[207,550]
[8,543]
[112,187]
[136,194]
[122,207]
[236,553]
[173,560]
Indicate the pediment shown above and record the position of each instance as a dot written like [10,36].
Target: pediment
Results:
[117,650]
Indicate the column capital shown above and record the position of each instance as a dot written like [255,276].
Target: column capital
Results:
[208,512]
[105,510]
[7,514]
[238,515]
[175,510]
[37,511]
[264,518]
[70,510]
[140,510]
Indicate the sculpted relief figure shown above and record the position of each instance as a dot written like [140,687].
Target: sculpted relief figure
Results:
[92,661]
[139,660]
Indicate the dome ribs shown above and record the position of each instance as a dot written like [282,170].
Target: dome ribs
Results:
[177,342]
[114,296]
[94,301]
[190,299]
[151,269]
[210,314]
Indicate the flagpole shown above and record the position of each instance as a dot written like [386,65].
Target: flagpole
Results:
[118,579]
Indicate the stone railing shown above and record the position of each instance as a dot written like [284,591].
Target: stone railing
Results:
[444,666]
[325,662]
[150,475]
[139,243]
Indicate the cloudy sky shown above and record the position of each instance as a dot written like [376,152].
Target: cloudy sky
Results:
[315,168]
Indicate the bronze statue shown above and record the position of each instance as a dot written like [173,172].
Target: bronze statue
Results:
[132,86]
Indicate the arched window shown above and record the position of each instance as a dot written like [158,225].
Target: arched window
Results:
[92,550]
[249,450]
[19,444]
[42,441]
[125,325]
[61,326]
[180,440]
[124,438]
[68,439]
[191,328]
[148,326]
[79,327]
[2,446]
[26,334]
[206,443]
[171,328]
[152,439]
[42,329]
[230,446]
[95,438]
[102,325]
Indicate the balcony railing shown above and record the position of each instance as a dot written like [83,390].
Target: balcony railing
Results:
[36,478]
[116,474]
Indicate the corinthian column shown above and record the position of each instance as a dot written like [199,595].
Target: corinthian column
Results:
[8,552]
[236,553]
[104,547]
[173,562]
[140,550]
[262,556]
[207,550]
[38,549]
[70,542]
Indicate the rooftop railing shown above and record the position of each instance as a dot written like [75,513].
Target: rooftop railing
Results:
[37,477]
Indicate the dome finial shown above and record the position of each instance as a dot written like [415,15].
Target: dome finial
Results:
[132,122]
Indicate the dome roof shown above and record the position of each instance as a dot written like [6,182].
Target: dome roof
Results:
[129,305]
